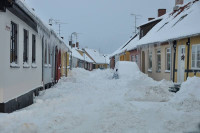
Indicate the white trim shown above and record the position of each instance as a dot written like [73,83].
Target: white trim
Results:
[195,45]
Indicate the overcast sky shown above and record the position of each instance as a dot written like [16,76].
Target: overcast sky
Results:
[104,25]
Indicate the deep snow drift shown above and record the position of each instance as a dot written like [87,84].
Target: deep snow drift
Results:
[93,102]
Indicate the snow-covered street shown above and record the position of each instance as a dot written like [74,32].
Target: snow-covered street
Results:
[93,102]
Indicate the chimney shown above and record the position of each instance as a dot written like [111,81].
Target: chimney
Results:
[161,12]
[149,19]
[178,2]
[77,44]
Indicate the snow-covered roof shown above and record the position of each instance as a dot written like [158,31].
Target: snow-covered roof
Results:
[95,55]
[176,25]
[76,54]
[129,45]
[87,59]
[43,27]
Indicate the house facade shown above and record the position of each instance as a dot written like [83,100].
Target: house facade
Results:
[29,55]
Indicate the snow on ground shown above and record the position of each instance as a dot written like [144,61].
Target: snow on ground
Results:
[93,102]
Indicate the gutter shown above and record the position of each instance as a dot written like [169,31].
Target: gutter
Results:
[188,56]
[174,46]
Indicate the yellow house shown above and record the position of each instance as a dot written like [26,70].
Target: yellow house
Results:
[125,56]
[187,62]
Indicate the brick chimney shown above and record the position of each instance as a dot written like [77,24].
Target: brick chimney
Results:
[161,12]
[178,2]
[149,19]
[77,44]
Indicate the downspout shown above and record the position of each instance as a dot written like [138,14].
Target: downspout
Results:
[43,62]
[174,46]
[188,56]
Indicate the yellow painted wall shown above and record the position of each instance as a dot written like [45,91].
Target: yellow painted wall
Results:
[63,63]
[127,56]
[121,58]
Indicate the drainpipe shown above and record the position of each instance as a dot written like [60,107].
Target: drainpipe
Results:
[188,56]
[174,46]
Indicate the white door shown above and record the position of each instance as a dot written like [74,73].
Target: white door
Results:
[181,63]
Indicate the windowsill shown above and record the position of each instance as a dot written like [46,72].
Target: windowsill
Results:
[150,70]
[46,65]
[34,65]
[195,68]
[167,71]
[158,71]
[26,65]
[49,65]
[14,65]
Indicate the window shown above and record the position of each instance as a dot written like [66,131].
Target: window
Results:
[25,52]
[13,44]
[168,59]
[45,53]
[150,60]
[196,56]
[136,58]
[132,58]
[49,52]
[158,60]
[33,49]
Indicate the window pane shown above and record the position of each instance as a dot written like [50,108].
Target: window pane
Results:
[158,62]
[193,63]
[168,61]
[198,53]
[198,64]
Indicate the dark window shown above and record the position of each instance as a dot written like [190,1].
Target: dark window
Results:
[49,51]
[33,48]
[45,58]
[25,53]
[13,44]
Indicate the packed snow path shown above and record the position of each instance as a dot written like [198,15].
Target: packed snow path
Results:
[93,102]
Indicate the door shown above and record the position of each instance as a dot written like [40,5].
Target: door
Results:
[181,63]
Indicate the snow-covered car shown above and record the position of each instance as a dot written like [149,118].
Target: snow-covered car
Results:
[123,69]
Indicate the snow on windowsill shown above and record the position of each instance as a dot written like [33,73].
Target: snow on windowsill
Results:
[46,65]
[167,71]
[150,70]
[34,65]
[49,65]
[26,65]
[14,65]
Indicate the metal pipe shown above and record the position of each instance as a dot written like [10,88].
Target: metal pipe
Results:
[188,56]
[174,46]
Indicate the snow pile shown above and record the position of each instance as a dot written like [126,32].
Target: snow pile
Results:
[93,102]
[126,69]
[188,98]
[142,87]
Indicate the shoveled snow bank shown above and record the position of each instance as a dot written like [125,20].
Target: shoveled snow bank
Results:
[188,98]
[93,102]
[145,88]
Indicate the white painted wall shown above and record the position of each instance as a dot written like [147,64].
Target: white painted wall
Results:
[18,81]
[1,58]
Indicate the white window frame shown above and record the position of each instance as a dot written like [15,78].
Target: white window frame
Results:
[136,58]
[195,48]
[14,63]
[157,70]
[150,55]
[168,52]
[132,58]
